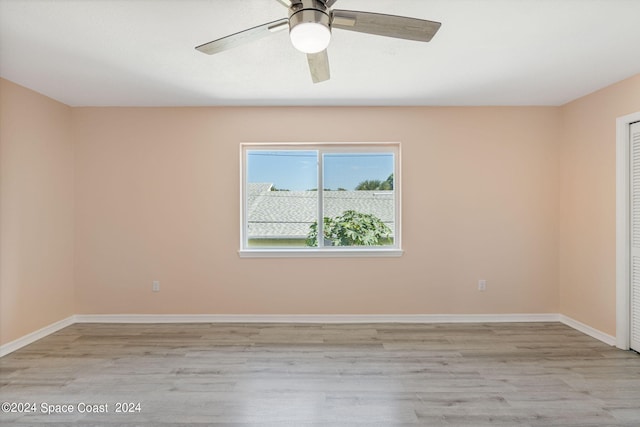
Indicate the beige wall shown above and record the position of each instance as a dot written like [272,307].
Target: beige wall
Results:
[588,203]
[158,199]
[521,197]
[36,212]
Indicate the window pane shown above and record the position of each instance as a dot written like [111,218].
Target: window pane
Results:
[358,199]
[281,197]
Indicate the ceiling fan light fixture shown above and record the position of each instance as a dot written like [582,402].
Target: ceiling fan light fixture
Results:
[310,37]
[309,30]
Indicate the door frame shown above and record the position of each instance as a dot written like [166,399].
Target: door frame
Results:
[623,229]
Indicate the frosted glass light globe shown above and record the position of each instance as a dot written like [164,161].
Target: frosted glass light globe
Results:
[310,37]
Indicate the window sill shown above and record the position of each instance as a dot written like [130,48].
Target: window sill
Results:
[320,253]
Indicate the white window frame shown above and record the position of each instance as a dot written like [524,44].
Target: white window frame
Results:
[394,250]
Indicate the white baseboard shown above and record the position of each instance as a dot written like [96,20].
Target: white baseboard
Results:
[588,330]
[304,318]
[315,318]
[14,345]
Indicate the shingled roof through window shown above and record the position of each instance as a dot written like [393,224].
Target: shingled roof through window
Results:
[288,214]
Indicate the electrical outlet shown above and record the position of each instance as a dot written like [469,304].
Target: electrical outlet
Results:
[155,286]
[482,285]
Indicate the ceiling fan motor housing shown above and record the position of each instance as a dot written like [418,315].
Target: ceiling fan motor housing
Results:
[309,12]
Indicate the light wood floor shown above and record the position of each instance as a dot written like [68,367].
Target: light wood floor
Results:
[537,374]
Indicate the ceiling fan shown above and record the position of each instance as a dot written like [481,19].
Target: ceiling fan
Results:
[310,23]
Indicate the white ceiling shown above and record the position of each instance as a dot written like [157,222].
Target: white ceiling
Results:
[487,52]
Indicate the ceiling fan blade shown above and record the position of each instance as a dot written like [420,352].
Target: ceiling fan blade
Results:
[242,37]
[380,24]
[319,66]
[330,3]
[285,3]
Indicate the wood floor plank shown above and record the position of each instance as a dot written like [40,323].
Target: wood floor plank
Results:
[528,374]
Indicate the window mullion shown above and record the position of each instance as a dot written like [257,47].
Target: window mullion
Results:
[320,238]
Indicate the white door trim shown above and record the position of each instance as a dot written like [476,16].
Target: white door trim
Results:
[623,230]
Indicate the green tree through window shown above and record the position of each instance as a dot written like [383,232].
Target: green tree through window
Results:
[376,184]
[351,229]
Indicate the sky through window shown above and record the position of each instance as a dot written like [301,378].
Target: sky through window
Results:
[296,170]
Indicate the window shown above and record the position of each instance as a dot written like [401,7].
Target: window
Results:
[320,199]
